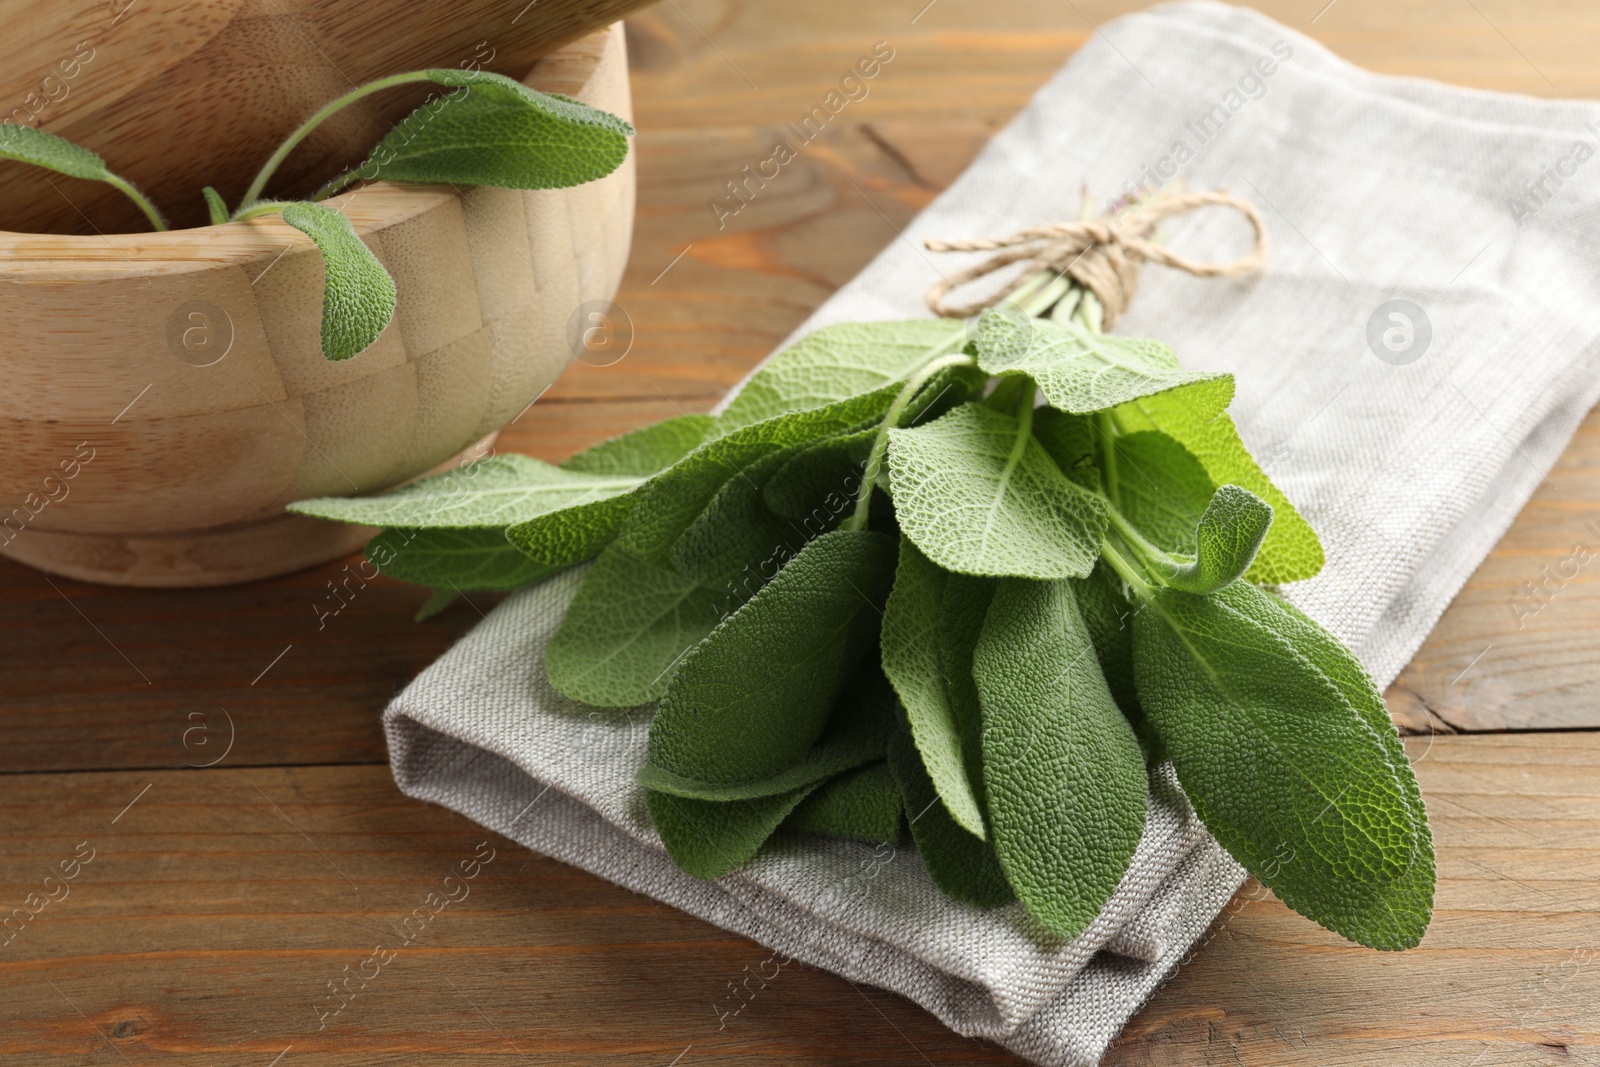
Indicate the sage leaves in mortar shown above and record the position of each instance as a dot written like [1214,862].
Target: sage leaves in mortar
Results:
[488,130]
[967,583]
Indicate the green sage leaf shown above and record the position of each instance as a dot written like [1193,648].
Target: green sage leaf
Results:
[859,805]
[1063,772]
[838,362]
[857,734]
[491,493]
[1079,372]
[738,542]
[1227,539]
[754,696]
[979,495]
[962,866]
[1160,487]
[647,450]
[670,503]
[626,631]
[945,727]
[458,560]
[1283,770]
[1392,916]
[358,295]
[1291,550]
[709,838]
[496,131]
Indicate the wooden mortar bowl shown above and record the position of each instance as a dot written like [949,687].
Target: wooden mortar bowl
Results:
[165,393]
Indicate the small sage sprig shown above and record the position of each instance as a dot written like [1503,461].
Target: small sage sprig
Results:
[971,579]
[488,130]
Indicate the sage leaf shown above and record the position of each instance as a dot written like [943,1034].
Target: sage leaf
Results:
[579,529]
[964,867]
[818,482]
[647,450]
[28,144]
[1227,539]
[946,728]
[1063,772]
[738,542]
[216,207]
[496,131]
[1108,615]
[458,560]
[1069,440]
[859,805]
[857,734]
[358,295]
[437,601]
[1392,916]
[979,495]
[675,498]
[1160,487]
[709,838]
[491,493]
[627,629]
[1283,770]
[1291,551]
[838,362]
[1080,372]
[754,696]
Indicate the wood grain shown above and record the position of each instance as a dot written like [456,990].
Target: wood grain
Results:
[181,456]
[206,933]
[220,904]
[181,94]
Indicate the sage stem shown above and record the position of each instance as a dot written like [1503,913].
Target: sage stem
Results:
[271,165]
[880,443]
[126,187]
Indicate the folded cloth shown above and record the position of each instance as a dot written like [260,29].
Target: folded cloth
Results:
[1420,347]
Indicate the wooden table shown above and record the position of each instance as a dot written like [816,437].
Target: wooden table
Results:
[219,904]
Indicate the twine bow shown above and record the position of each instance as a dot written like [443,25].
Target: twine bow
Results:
[1103,255]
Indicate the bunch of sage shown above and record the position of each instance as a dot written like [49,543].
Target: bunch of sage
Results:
[974,579]
[488,130]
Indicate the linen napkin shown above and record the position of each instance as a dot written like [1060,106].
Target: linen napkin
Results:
[1420,347]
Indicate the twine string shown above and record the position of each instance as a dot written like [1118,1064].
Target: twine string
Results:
[1103,254]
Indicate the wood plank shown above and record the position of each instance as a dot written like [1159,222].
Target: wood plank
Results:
[218,906]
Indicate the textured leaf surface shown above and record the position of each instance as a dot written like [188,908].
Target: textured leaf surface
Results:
[26,144]
[1161,488]
[862,805]
[1078,371]
[709,838]
[645,451]
[817,485]
[738,542]
[1070,442]
[858,733]
[1285,772]
[1226,541]
[627,629]
[1063,771]
[491,493]
[456,560]
[676,497]
[1108,616]
[357,293]
[837,362]
[1291,551]
[979,495]
[494,130]
[750,699]
[946,729]
[1393,916]
[963,866]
